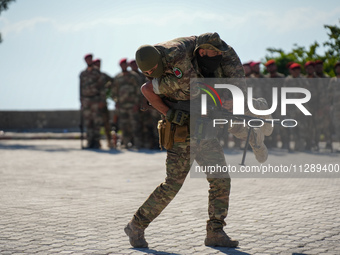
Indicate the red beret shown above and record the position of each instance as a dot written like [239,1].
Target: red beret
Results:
[123,60]
[318,62]
[309,63]
[294,66]
[132,61]
[270,62]
[97,60]
[254,63]
[88,56]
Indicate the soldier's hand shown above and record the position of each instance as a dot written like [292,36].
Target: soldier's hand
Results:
[177,117]
[144,106]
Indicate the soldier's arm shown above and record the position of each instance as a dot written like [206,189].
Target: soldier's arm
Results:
[154,99]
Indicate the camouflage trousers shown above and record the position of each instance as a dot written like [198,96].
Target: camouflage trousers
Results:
[322,126]
[178,163]
[93,121]
[130,124]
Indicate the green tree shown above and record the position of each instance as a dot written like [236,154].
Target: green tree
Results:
[3,7]
[301,55]
[333,48]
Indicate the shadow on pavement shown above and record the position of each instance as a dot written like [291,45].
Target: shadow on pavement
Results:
[47,148]
[115,151]
[152,251]
[230,251]
[112,151]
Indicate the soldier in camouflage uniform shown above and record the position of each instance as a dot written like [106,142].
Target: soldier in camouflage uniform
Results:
[309,68]
[170,65]
[301,134]
[247,69]
[272,69]
[126,94]
[148,116]
[272,141]
[90,97]
[318,66]
[106,82]
[316,102]
[322,118]
[334,98]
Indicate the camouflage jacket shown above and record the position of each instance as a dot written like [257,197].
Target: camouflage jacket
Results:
[181,65]
[126,90]
[105,85]
[90,87]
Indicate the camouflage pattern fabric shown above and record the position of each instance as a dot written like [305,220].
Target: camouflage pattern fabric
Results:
[321,115]
[181,65]
[302,134]
[149,120]
[126,94]
[178,164]
[105,84]
[91,103]
[176,56]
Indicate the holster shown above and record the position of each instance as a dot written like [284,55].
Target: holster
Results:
[170,133]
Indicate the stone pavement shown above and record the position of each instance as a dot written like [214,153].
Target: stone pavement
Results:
[58,199]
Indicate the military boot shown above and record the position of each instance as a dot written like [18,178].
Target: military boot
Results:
[256,142]
[217,237]
[136,235]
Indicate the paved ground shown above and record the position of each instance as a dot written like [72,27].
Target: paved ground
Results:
[58,199]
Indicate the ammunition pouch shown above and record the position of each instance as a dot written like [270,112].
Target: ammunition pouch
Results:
[170,133]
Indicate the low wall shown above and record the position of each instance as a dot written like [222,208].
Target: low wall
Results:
[24,121]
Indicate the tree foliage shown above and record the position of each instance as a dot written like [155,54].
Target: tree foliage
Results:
[3,7]
[301,55]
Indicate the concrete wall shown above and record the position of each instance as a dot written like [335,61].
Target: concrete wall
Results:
[21,121]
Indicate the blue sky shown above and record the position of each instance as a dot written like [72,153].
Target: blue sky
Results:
[44,42]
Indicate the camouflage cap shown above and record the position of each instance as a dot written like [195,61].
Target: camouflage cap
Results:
[211,41]
[147,57]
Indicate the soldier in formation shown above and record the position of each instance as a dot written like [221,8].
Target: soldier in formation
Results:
[107,81]
[126,94]
[149,116]
[91,88]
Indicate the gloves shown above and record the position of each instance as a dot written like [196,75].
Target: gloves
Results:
[177,116]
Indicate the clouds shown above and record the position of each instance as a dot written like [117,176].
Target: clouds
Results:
[8,27]
[297,19]
[276,21]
